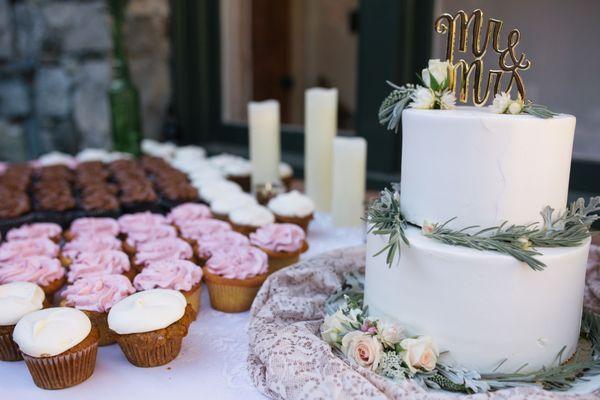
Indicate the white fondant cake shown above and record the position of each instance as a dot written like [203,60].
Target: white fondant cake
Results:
[482,307]
[483,168]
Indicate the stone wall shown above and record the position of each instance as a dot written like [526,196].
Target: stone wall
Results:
[55,71]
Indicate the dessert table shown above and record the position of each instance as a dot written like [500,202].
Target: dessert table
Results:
[212,362]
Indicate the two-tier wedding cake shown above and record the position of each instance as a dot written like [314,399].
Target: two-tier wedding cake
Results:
[483,307]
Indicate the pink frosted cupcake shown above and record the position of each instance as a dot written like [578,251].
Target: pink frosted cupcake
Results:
[181,275]
[153,232]
[92,227]
[38,230]
[95,296]
[283,243]
[162,249]
[44,271]
[94,265]
[140,221]
[234,275]
[205,245]
[84,244]
[26,248]
[187,212]
[194,230]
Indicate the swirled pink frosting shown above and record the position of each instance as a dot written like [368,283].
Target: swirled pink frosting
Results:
[27,248]
[94,226]
[46,230]
[188,212]
[140,221]
[286,238]
[209,243]
[163,249]
[41,270]
[196,229]
[168,274]
[91,244]
[94,265]
[238,262]
[98,293]
[153,232]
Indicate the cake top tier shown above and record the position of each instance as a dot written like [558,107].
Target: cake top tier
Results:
[483,168]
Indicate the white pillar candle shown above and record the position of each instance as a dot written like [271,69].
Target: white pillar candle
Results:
[265,153]
[349,179]
[320,127]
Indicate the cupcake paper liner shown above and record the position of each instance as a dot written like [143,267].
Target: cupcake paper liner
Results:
[193,298]
[232,295]
[63,370]
[9,351]
[150,356]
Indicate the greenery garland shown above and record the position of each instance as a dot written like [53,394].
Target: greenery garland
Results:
[346,314]
[568,229]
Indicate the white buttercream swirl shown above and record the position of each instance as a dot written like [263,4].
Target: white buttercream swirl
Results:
[292,204]
[18,299]
[252,215]
[223,205]
[213,189]
[147,311]
[51,331]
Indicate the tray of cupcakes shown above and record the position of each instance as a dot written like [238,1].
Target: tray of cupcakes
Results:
[135,281]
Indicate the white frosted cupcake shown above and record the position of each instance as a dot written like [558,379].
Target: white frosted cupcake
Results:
[150,326]
[211,190]
[294,208]
[59,346]
[17,299]
[286,173]
[223,205]
[249,218]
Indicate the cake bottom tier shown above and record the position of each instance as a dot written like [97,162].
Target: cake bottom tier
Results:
[481,307]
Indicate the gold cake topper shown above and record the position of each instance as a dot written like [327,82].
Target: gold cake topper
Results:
[508,62]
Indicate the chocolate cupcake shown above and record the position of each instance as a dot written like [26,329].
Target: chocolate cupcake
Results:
[249,218]
[294,208]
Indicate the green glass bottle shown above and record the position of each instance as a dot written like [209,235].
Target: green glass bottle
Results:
[123,96]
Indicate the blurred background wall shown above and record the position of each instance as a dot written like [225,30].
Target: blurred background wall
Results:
[55,70]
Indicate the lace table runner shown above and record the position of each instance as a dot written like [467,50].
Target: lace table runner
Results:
[288,360]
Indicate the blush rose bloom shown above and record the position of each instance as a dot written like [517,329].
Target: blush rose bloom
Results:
[420,353]
[363,348]
[390,333]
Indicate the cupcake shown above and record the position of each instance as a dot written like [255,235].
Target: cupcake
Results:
[233,276]
[44,271]
[293,208]
[140,221]
[283,243]
[286,173]
[210,190]
[193,230]
[94,265]
[153,232]
[59,346]
[25,248]
[95,296]
[207,244]
[249,218]
[188,212]
[239,170]
[150,326]
[84,244]
[90,226]
[223,205]
[37,230]
[181,275]
[162,249]
[16,300]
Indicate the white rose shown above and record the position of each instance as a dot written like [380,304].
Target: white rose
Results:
[363,348]
[390,333]
[447,100]
[335,326]
[438,69]
[420,353]
[427,228]
[423,98]
[500,103]
[515,107]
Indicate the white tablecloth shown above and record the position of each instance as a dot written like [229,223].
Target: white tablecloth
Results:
[211,365]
